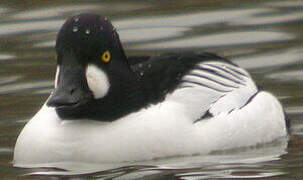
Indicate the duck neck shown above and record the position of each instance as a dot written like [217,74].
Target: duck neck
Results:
[124,97]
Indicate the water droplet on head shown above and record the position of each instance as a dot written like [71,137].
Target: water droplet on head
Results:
[76,19]
[87,31]
[75,29]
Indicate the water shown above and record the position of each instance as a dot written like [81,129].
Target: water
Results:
[266,37]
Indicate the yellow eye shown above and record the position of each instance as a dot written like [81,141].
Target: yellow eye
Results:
[106,57]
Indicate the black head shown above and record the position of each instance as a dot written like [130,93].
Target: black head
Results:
[88,35]
[93,77]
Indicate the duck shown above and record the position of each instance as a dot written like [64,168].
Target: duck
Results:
[107,107]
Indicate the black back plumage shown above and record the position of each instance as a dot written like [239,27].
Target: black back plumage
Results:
[162,74]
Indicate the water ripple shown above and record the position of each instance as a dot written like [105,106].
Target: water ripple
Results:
[25,86]
[190,19]
[267,20]
[50,12]
[4,10]
[9,80]
[231,162]
[265,60]
[284,4]
[220,39]
[23,27]
[5,150]
[5,57]
[148,34]
[292,75]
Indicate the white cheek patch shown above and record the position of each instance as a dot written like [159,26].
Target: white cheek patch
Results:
[97,81]
[57,76]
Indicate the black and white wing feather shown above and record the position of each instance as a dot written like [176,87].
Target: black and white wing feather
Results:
[204,83]
[215,87]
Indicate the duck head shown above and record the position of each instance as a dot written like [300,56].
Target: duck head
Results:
[93,79]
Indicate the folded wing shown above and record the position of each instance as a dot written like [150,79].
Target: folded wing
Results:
[213,87]
[205,83]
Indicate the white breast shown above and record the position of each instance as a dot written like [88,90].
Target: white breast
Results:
[161,130]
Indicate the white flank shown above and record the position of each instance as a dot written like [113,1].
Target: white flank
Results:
[162,130]
[97,81]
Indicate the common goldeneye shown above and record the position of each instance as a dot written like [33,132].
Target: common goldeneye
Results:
[107,107]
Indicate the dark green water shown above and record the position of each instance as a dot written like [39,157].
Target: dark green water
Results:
[266,37]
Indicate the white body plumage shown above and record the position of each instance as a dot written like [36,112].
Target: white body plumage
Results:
[240,117]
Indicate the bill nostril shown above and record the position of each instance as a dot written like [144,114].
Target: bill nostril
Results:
[60,102]
[63,98]
[72,91]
